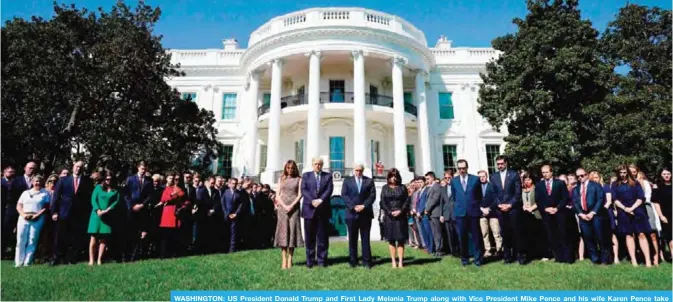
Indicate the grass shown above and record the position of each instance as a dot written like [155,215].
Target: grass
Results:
[260,270]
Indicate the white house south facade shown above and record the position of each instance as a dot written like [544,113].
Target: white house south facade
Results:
[349,85]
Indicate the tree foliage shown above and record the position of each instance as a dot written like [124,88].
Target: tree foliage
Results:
[94,83]
[636,121]
[556,90]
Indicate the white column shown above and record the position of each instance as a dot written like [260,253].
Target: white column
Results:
[251,136]
[273,144]
[471,147]
[313,114]
[422,123]
[399,126]
[359,113]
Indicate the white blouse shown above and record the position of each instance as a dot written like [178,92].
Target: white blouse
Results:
[33,201]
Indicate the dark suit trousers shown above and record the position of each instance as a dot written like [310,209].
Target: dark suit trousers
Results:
[70,238]
[315,232]
[9,219]
[594,235]
[134,221]
[555,226]
[203,234]
[231,234]
[469,225]
[452,245]
[510,229]
[362,226]
[428,238]
[436,227]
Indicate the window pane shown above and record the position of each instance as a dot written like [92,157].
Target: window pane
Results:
[492,151]
[266,100]
[336,153]
[411,158]
[408,98]
[188,96]
[224,161]
[228,106]
[262,157]
[449,155]
[445,105]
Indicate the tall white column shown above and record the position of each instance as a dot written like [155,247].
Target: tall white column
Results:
[399,126]
[359,113]
[273,144]
[469,111]
[422,123]
[313,114]
[251,135]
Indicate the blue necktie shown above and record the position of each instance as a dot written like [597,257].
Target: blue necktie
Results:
[359,184]
[317,183]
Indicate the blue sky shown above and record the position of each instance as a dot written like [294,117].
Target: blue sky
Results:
[193,24]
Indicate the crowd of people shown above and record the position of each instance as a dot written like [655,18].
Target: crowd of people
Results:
[510,215]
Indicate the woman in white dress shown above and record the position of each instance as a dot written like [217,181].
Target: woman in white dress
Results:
[31,206]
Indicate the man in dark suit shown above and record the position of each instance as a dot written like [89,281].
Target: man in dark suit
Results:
[448,217]
[71,208]
[7,207]
[467,192]
[231,205]
[507,203]
[359,194]
[488,222]
[205,221]
[187,231]
[551,196]
[433,209]
[590,208]
[138,187]
[316,190]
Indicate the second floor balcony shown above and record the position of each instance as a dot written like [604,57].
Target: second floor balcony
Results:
[338,97]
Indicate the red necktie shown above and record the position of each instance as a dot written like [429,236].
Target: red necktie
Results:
[76,183]
[584,197]
[548,187]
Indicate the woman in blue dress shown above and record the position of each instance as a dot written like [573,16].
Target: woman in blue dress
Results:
[629,199]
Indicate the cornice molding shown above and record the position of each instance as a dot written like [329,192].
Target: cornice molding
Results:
[301,35]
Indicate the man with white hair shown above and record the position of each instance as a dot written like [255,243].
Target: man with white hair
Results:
[316,190]
[359,194]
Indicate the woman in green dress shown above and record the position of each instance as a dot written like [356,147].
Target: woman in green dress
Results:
[104,199]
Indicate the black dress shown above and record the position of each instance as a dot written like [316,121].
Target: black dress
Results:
[396,229]
[663,195]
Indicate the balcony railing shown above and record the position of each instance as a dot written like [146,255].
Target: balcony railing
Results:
[338,97]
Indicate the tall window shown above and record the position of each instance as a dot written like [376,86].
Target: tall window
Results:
[336,91]
[299,154]
[228,106]
[188,96]
[224,161]
[449,154]
[376,155]
[373,94]
[411,158]
[266,99]
[408,97]
[337,156]
[492,151]
[445,106]
[262,157]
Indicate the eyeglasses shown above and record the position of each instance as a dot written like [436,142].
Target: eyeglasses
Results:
[462,168]
[581,175]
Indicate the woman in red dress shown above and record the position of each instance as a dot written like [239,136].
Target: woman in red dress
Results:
[172,201]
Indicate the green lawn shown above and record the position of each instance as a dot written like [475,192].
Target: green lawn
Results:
[260,270]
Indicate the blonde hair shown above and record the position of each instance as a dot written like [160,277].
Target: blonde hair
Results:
[593,174]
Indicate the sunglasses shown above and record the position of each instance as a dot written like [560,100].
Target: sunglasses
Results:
[108,179]
[581,175]
[462,168]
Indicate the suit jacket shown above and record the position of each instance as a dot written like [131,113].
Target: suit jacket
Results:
[17,187]
[352,198]
[448,203]
[135,194]
[190,195]
[6,188]
[231,202]
[205,202]
[511,193]
[487,200]
[433,203]
[469,200]
[595,198]
[422,200]
[66,202]
[557,199]
[309,192]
